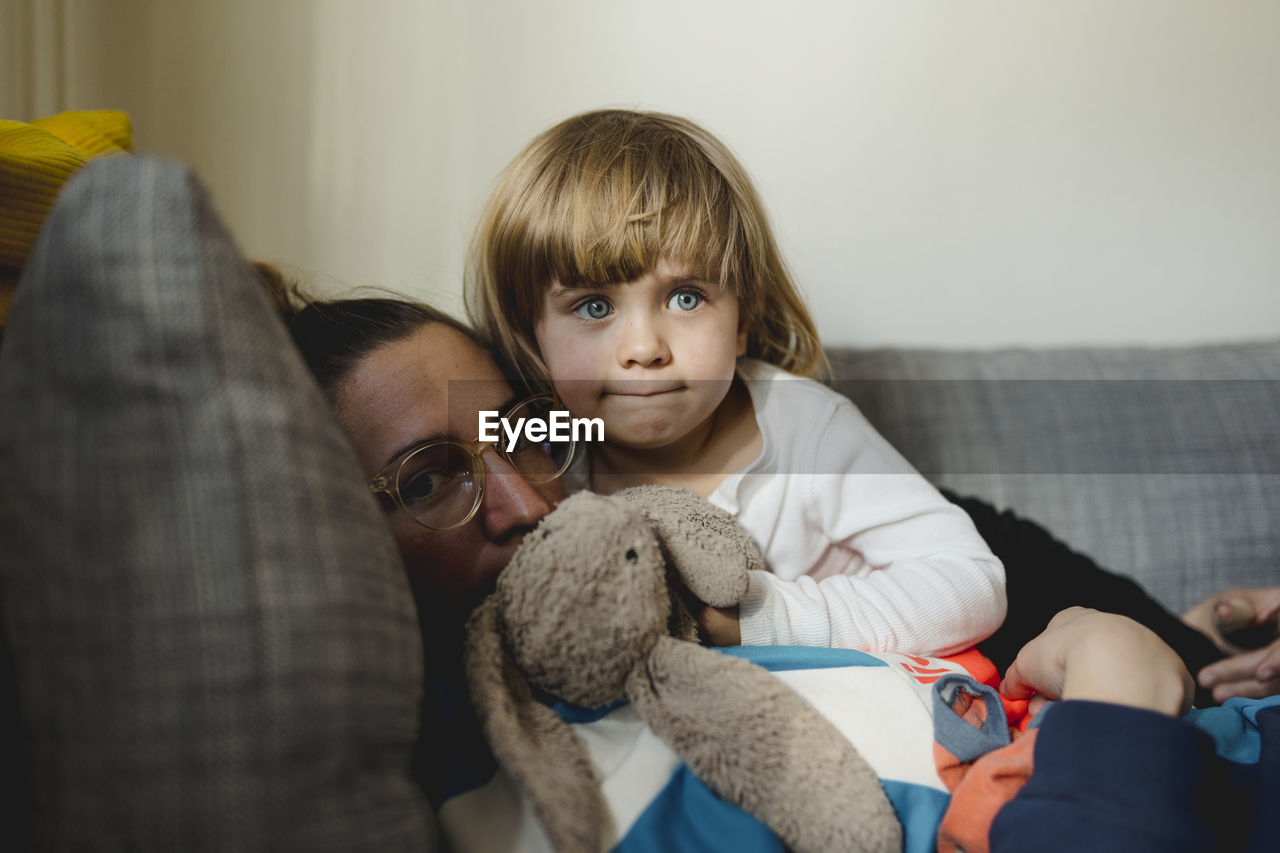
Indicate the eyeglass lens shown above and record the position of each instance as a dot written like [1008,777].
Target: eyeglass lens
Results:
[537,461]
[439,484]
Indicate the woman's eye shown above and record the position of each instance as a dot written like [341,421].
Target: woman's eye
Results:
[421,485]
[594,309]
[685,300]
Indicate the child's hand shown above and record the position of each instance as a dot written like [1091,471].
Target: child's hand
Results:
[1101,657]
[721,625]
[718,626]
[1238,620]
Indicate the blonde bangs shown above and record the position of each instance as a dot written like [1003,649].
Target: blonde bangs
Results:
[612,209]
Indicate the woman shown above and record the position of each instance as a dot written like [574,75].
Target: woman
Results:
[402,376]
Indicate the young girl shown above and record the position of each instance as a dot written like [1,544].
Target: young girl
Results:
[625,259]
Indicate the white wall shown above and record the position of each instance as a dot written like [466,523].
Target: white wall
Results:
[949,173]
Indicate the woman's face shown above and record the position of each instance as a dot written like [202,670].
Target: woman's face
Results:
[428,386]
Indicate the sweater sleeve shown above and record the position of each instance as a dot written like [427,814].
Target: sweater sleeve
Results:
[1111,778]
[911,574]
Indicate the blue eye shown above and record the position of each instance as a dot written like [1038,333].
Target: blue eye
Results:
[685,300]
[594,309]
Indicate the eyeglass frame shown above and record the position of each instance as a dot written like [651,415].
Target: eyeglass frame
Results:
[386,481]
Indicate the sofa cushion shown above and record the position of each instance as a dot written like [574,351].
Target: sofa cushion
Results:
[1160,463]
[213,640]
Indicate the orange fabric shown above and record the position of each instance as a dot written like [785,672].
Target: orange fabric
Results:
[980,790]
[984,671]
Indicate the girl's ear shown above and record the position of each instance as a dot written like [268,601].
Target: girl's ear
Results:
[743,322]
[535,747]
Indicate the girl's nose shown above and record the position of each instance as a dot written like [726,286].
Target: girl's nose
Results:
[643,344]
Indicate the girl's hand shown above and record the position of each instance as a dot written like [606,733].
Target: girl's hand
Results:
[718,625]
[1101,657]
[721,625]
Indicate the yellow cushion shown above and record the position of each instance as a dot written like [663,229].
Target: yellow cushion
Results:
[35,161]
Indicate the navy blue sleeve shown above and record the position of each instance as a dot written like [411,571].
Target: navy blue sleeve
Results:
[1264,780]
[1111,778]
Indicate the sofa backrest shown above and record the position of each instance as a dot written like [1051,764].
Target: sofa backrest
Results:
[1162,464]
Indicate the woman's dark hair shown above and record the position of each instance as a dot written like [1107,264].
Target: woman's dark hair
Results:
[334,335]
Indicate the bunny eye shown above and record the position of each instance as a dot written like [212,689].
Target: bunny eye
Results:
[631,555]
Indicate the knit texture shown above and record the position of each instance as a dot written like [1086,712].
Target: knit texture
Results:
[35,161]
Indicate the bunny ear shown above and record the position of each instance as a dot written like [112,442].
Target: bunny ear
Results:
[756,743]
[703,543]
[535,747]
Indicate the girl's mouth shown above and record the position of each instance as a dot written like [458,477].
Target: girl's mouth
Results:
[640,390]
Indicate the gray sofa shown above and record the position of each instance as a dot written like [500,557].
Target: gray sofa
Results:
[1162,464]
[209,642]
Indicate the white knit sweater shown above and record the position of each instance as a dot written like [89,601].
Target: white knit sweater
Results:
[862,551]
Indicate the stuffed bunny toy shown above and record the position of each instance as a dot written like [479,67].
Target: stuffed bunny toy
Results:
[586,612]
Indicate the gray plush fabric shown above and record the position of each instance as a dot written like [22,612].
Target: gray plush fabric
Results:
[704,544]
[1162,464]
[537,749]
[214,642]
[760,746]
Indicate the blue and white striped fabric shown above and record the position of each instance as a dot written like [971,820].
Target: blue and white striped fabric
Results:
[881,702]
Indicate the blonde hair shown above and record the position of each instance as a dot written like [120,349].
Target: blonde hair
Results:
[602,197]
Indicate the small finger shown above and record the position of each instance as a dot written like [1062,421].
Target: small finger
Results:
[1246,689]
[1269,667]
[1269,613]
[1234,668]
[1013,686]
[1232,614]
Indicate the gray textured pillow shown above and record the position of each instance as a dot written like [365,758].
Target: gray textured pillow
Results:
[1162,464]
[214,643]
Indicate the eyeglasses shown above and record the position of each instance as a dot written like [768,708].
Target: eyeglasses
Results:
[441,484]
